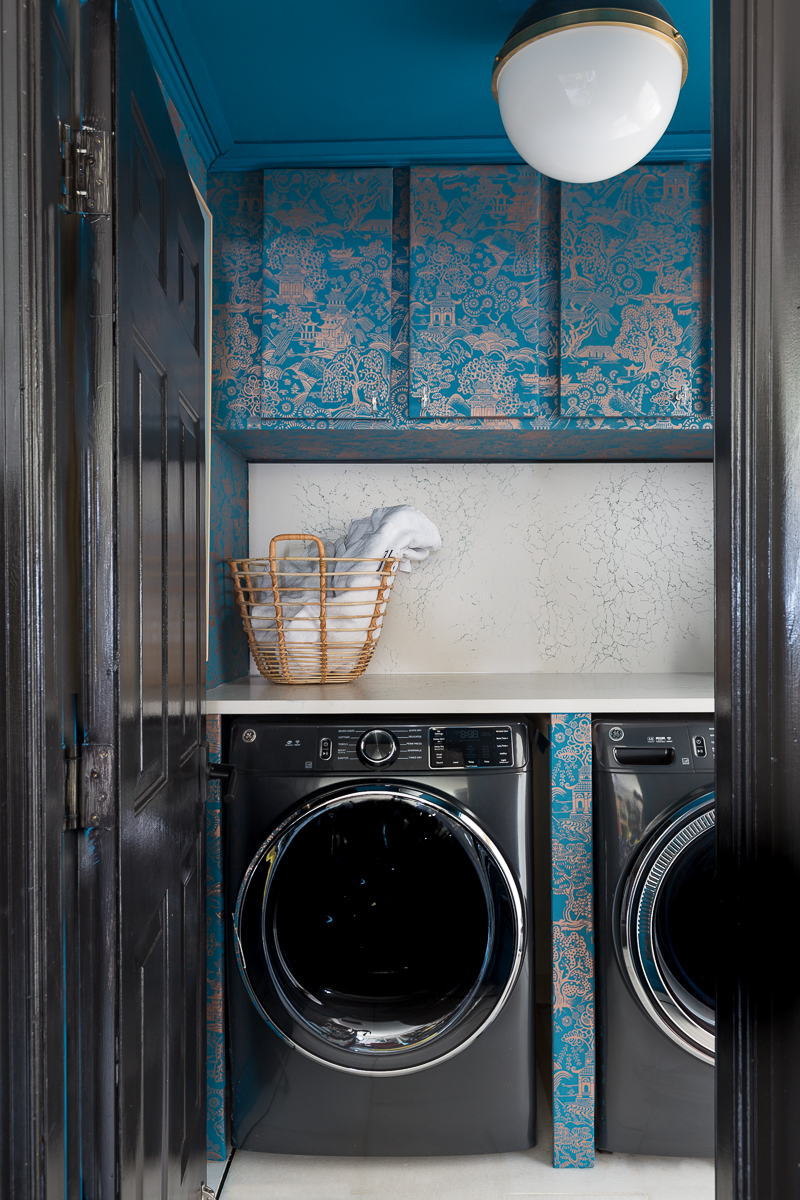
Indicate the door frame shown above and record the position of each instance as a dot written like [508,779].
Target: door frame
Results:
[757,473]
[32,797]
[756,184]
[58,942]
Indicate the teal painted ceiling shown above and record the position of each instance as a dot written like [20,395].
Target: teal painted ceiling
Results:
[302,82]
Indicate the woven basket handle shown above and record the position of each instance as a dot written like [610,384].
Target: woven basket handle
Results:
[323,579]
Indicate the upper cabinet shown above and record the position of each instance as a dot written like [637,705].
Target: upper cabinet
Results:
[426,300]
[327,268]
[474,292]
[634,296]
[576,302]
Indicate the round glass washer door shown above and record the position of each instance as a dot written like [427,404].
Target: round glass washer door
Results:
[666,927]
[379,930]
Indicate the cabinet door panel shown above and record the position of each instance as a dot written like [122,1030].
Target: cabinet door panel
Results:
[327,294]
[474,266]
[635,295]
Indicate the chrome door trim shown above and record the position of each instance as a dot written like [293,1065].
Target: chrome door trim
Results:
[658,993]
[275,846]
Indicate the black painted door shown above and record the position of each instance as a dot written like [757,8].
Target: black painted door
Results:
[161,497]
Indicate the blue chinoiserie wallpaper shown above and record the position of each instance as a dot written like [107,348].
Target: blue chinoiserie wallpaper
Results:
[635,295]
[236,202]
[573,939]
[475,291]
[460,297]
[228,654]
[326,282]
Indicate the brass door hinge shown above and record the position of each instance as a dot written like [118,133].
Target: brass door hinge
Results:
[85,171]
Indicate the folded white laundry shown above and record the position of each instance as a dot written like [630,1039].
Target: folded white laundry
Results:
[401,532]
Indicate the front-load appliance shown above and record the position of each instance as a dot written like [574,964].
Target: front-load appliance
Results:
[654,909]
[380,966]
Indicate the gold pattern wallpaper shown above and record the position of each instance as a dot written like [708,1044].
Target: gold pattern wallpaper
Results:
[461,296]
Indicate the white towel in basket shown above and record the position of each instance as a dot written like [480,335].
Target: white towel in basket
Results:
[400,532]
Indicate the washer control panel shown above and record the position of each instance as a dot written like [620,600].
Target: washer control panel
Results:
[470,746]
[383,747]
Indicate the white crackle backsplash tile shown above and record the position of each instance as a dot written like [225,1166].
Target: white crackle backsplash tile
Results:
[563,567]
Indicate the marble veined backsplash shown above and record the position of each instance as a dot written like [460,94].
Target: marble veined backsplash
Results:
[545,567]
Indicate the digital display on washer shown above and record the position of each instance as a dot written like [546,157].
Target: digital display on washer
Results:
[470,746]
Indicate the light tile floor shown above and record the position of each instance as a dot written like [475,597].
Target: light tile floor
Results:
[483,1177]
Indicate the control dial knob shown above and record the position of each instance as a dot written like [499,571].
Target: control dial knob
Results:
[377,748]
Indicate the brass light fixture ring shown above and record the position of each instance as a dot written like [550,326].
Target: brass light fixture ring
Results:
[591,16]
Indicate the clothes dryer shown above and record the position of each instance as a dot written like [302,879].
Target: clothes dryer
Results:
[378,889]
[655,943]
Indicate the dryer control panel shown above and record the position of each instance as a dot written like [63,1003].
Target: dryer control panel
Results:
[381,746]
[650,745]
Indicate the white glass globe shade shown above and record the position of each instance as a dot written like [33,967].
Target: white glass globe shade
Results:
[586,103]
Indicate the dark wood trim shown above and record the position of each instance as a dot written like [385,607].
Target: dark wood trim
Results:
[23,670]
[97,420]
[58,940]
[756,191]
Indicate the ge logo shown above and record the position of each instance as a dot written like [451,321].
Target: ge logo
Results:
[616,734]
[249,735]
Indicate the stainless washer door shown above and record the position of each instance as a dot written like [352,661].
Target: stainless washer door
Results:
[666,927]
[378,930]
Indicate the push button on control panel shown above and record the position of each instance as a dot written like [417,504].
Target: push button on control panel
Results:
[325,749]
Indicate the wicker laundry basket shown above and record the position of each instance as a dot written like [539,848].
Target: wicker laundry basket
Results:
[310,618]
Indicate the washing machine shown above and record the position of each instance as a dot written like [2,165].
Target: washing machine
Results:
[380,965]
[655,940]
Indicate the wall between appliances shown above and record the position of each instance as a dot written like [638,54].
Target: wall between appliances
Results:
[573,567]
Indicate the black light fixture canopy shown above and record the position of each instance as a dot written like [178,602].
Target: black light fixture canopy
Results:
[549,16]
[586,91]
[543,10]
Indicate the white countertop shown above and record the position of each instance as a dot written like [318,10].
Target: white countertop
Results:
[526,694]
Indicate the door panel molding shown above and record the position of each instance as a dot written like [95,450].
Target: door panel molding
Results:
[152,1134]
[150,507]
[149,199]
[192,512]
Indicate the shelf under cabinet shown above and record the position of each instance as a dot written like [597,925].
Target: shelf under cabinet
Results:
[502,693]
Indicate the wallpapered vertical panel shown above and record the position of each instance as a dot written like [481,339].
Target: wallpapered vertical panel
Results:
[635,295]
[474,286]
[326,294]
[228,656]
[573,939]
[236,202]
[216,1119]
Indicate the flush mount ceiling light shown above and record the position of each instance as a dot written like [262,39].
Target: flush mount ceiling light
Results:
[586,92]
